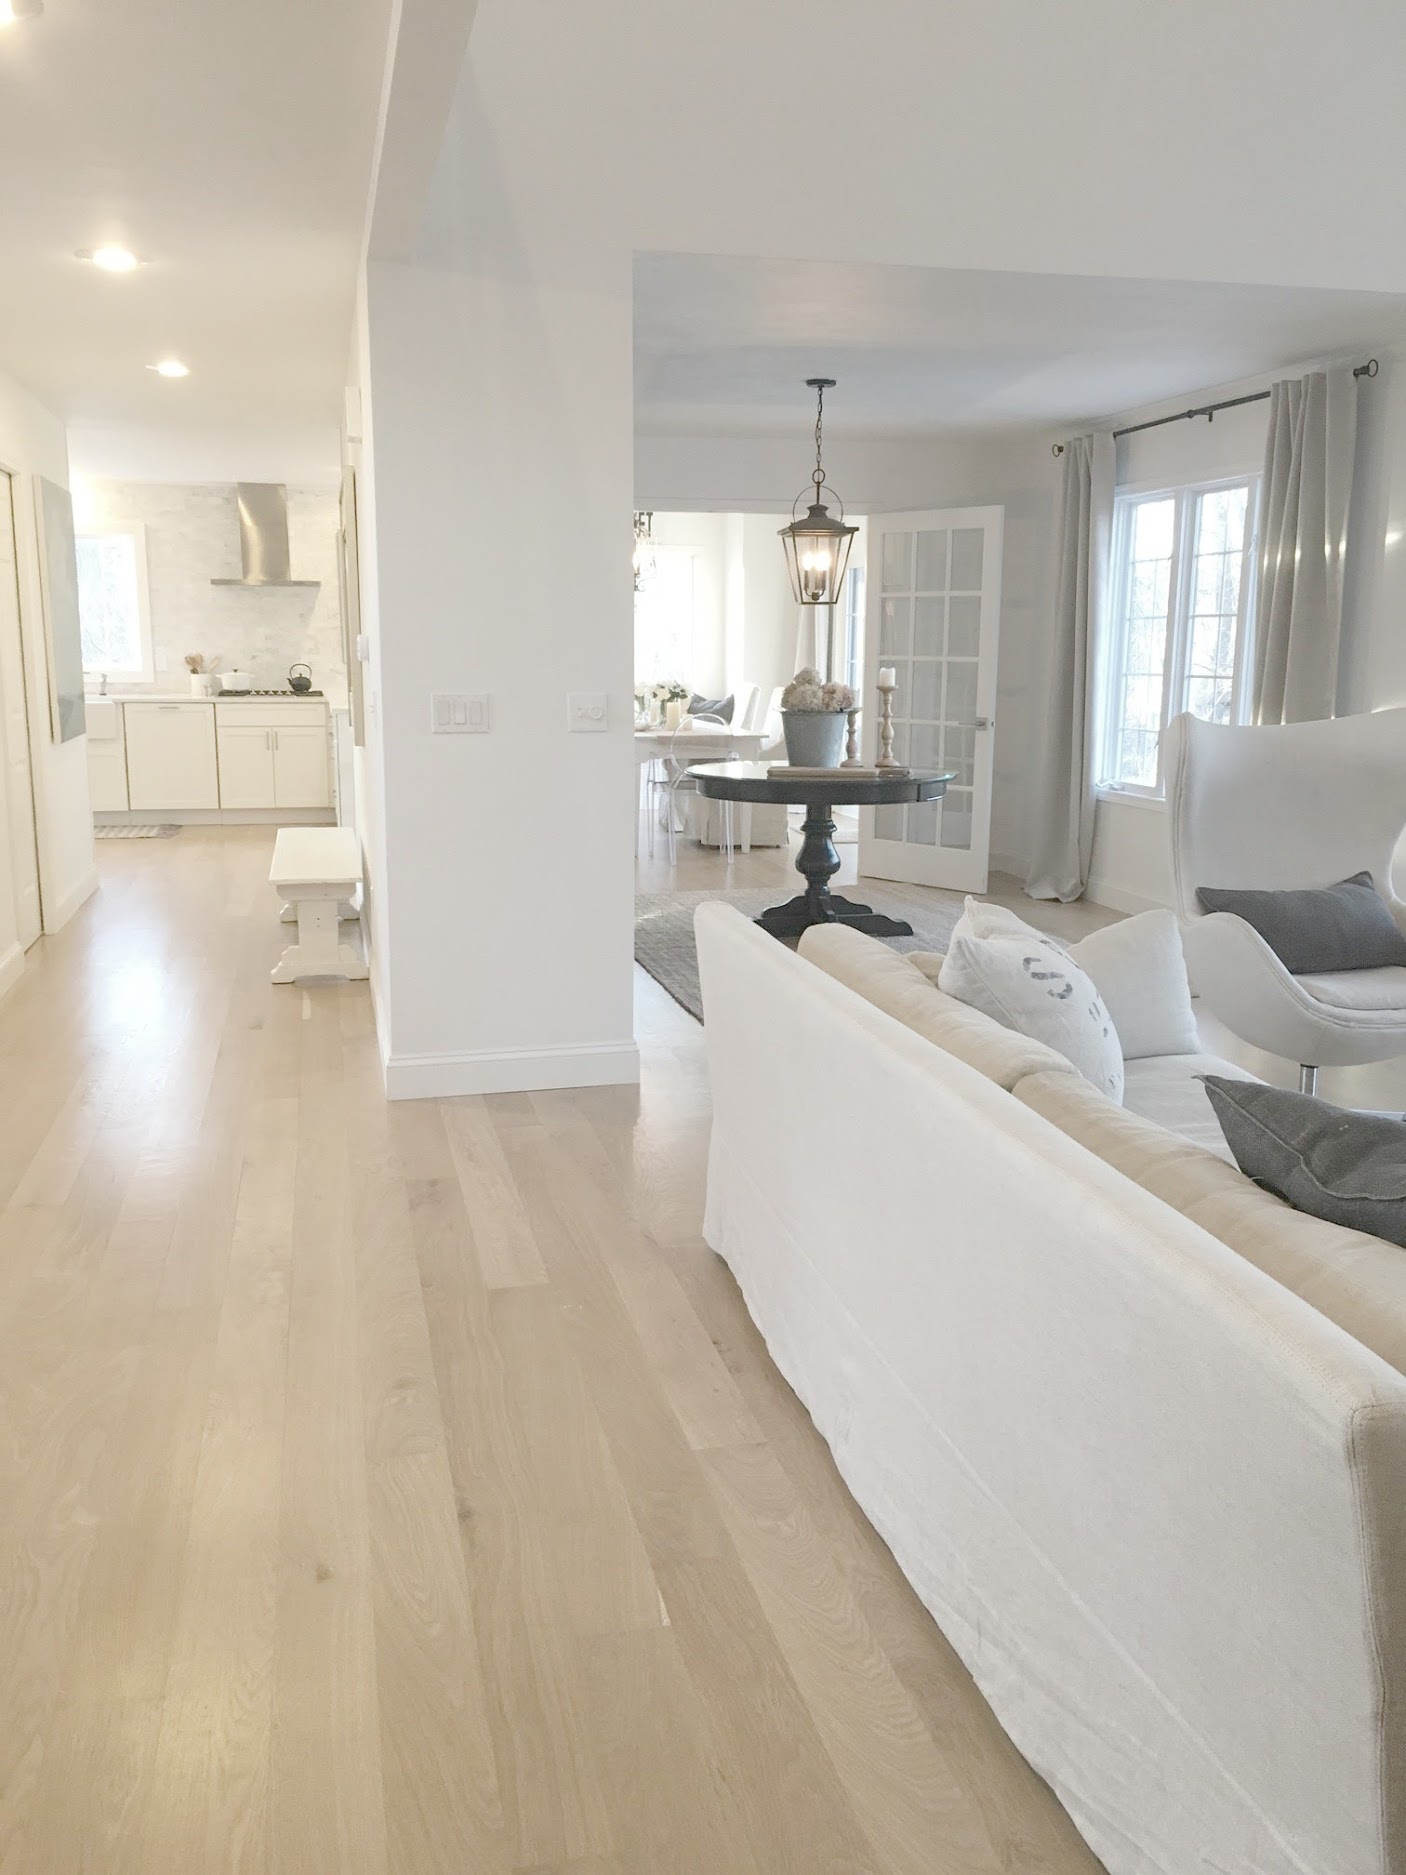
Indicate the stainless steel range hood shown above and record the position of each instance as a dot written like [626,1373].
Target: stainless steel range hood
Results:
[263,537]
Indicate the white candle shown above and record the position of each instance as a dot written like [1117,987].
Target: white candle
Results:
[673,713]
[887,679]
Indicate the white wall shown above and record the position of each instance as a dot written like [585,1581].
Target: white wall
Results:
[192,537]
[31,445]
[500,371]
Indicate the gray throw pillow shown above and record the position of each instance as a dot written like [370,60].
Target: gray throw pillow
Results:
[1334,927]
[721,707]
[1348,1168]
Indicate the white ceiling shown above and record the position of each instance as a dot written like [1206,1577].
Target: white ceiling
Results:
[725,344]
[231,142]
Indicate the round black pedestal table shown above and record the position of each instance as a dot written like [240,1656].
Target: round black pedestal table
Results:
[818,861]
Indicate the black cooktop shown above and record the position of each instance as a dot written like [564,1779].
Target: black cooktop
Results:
[285,692]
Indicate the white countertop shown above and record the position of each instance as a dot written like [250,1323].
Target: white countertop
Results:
[184,696]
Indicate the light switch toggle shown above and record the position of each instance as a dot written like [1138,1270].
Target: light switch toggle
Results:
[587,710]
[458,715]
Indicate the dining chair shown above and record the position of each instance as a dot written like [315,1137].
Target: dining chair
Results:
[678,781]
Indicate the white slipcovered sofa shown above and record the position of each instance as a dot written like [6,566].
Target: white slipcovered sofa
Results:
[1134,1430]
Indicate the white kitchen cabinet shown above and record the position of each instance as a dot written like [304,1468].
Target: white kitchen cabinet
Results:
[107,777]
[273,755]
[171,756]
[300,766]
[246,765]
[107,757]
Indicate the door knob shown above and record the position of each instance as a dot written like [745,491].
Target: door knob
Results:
[981,722]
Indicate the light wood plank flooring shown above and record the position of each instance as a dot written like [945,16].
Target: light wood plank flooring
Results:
[404,1489]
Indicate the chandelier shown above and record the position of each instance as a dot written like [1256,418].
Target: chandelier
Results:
[644,549]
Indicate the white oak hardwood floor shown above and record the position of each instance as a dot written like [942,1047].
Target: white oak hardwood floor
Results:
[404,1490]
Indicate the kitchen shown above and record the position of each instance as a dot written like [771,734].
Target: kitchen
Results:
[215,654]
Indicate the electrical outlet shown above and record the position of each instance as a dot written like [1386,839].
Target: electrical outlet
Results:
[587,710]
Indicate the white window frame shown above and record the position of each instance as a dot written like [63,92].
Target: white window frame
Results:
[1114,662]
[135,531]
[664,551]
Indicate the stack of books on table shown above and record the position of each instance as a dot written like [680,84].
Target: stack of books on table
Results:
[787,771]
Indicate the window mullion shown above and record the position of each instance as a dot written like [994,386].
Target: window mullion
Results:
[1173,659]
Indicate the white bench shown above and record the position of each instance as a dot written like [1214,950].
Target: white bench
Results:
[315,871]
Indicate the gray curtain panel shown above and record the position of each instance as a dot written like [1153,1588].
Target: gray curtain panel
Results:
[1305,501]
[1063,815]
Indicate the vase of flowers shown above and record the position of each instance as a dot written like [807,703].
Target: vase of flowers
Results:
[813,720]
[654,703]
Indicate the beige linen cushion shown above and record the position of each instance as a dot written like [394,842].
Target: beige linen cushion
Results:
[888,980]
[1355,1280]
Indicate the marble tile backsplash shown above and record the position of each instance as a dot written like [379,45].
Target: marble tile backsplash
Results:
[192,537]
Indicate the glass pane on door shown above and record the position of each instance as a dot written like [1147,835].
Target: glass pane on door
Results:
[930,631]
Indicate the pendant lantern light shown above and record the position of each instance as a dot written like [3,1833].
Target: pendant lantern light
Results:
[817,544]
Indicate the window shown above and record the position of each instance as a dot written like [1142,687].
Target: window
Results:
[664,620]
[1183,574]
[112,603]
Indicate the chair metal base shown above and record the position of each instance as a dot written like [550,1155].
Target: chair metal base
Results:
[1308,1079]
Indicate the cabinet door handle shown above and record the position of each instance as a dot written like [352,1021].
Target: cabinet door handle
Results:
[268,739]
[275,742]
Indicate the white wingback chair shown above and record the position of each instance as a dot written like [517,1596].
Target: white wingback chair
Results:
[1302,804]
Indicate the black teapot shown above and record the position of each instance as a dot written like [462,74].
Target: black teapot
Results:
[300,684]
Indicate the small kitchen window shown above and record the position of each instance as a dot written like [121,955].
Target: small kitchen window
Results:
[113,606]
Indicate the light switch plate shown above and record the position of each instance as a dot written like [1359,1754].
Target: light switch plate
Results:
[587,710]
[457,713]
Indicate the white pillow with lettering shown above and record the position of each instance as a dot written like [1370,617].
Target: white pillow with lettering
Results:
[1136,965]
[1027,982]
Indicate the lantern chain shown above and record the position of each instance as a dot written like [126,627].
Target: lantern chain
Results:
[819,477]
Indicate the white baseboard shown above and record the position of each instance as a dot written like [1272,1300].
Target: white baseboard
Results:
[57,914]
[11,968]
[1114,898]
[511,1071]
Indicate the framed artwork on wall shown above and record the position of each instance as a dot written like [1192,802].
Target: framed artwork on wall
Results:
[350,582]
[58,579]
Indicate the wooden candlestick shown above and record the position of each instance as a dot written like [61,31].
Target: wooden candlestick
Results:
[852,742]
[885,758]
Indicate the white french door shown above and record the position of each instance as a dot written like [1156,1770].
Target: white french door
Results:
[933,614]
[17,837]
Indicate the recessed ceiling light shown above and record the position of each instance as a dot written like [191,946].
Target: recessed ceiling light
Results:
[170,368]
[12,10]
[111,258]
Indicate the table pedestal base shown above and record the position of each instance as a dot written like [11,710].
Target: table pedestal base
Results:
[818,862]
[798,914]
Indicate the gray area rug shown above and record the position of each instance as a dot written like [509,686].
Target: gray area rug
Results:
[664,925]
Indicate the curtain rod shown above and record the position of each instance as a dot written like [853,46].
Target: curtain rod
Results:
[1208,411]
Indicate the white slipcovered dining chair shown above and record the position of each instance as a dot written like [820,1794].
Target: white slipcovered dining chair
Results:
[1275,808]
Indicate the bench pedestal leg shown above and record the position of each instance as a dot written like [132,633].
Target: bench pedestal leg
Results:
[317,952]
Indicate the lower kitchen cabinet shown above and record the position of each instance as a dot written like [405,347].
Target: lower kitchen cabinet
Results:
[274,757]
[107,775]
